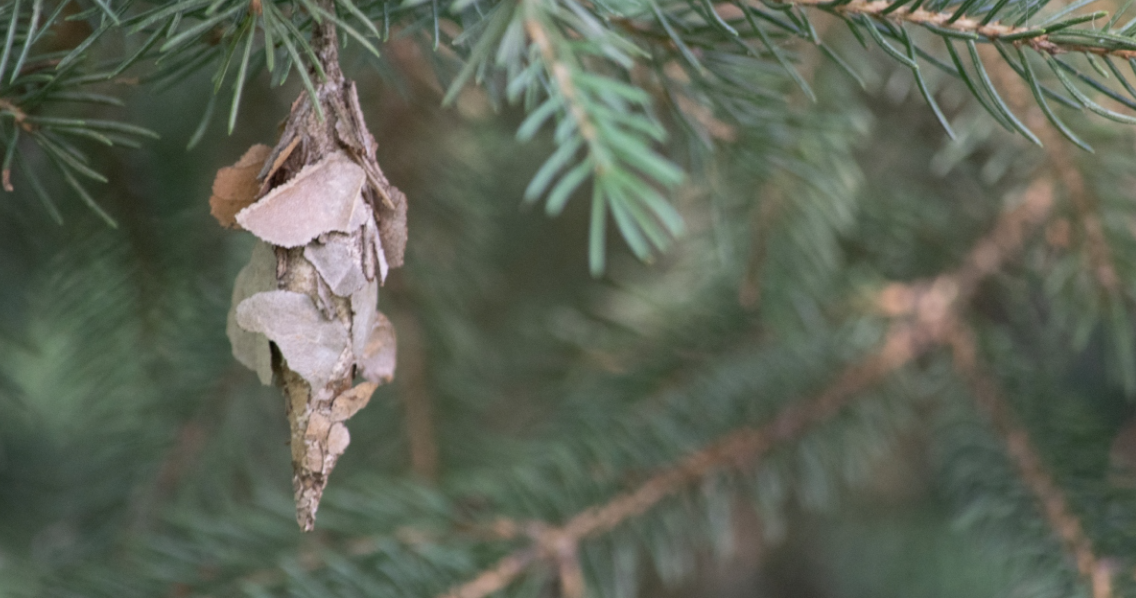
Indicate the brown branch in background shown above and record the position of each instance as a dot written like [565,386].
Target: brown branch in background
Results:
[1059,157]
[929,313]
[1054,505]
[414,390]
[1087,208]
[736,449]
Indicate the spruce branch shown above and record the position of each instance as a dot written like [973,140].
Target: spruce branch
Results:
[927,315]
[1054,505]
[1060,159]
[34,84]
[1041,39]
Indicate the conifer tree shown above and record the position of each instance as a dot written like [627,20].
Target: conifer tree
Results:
[835,298]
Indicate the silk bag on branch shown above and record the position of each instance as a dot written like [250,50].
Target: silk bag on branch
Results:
[304,312]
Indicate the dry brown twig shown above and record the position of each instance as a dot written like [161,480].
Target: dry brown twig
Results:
[925,314]
[1059,156]
[414,390]
[1054,506]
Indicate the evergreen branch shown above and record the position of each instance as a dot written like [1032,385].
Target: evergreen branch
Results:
[1054,505]
[1039,38]
[563,78]
[1086,208]
[595,113]
[30,90]
[931,317]
[740,448]
[1063,165]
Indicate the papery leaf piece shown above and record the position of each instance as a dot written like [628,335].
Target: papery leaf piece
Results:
[380,353]
[349,402]
[374,256]
[310,343]
[339,260]
[363,309]
[251,348]
[235,187]
[323,197]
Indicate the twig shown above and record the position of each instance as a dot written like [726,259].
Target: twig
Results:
[1059,158]
[1054,505]
[930,310]
[1040,42]
[561,74]
[738,448]
[414,391]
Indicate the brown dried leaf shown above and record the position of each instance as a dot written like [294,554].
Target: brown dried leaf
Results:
[236,187]
[270,169]
[380,353]
[350,401]
[392,228]
[374,256]
[323,197]
[251,348]
[339,260]
[310,343]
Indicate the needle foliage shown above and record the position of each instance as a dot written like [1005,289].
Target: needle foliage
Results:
[740,191]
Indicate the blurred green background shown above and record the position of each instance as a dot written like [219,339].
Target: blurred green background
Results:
[137,457]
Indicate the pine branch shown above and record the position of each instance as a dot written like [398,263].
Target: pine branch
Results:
[1040,39]
[931,315]
[1059,158]
[1054,505]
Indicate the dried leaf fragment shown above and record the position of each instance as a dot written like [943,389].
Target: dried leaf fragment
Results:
[374,256]
[380,353]
[235,187]
[310,343]
[258,276]
[323,197]
[350,401]
[339,260]
[271,168]
[363,313]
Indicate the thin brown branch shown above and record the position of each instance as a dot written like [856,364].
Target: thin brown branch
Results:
[1060,160]
[929,311]
[991,31]
[413,389]
[736,449]
[1055,507]
[562,74]
[497,577]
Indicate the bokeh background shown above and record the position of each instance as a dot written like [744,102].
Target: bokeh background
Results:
[137,457]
